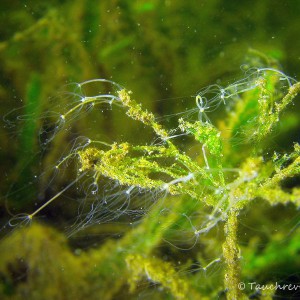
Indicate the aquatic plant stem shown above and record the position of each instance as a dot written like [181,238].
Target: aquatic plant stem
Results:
[231,257]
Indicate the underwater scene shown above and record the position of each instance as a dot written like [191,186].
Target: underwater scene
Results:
[150,149]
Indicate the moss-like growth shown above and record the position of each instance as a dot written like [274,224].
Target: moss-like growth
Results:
[221,179]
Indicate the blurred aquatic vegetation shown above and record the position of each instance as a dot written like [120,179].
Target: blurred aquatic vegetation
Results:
[50,270]
[159,50]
